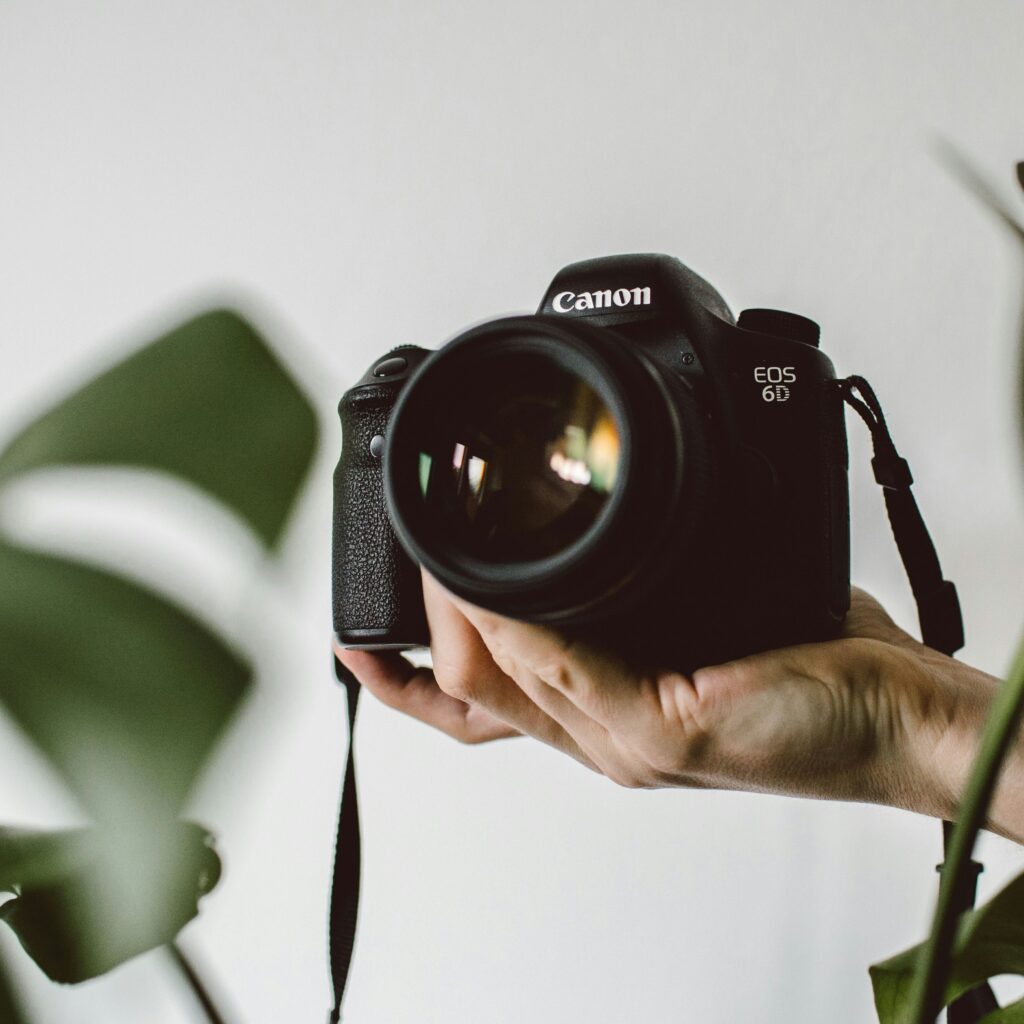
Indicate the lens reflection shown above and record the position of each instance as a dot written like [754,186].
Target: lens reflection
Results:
[520,466]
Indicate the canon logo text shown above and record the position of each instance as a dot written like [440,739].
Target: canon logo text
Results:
[567,302]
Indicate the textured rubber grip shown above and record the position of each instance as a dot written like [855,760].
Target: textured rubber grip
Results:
[378,599]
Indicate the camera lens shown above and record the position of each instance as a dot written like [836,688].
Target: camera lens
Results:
[524,465]
[539,467]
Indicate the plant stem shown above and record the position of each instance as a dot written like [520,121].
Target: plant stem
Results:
[928,987]
[199,990]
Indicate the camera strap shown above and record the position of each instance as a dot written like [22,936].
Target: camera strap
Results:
[941,622]
[347,858]
[938,607]
[938,613]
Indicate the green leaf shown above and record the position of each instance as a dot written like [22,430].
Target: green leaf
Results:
[208,402]
[976,183]
[989,942]
[88,900]
[11,1011]
[124,692]
[29,858]
[1012,1014]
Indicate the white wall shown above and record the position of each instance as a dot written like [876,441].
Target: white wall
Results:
[369,174]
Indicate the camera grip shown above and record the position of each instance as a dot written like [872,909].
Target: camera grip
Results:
[377,594]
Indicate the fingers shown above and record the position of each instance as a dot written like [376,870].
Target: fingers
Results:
[572,681]
[413,691]
[635,728]
[466,670]
[782,720]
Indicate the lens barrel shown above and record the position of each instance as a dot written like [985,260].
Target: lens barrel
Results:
[546,469]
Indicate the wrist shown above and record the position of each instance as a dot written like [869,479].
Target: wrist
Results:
[947,745]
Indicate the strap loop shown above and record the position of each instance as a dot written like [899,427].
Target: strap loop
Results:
[892,472]
[938,606]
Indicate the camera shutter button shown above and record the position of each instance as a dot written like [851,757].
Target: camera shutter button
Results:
[390,367]
[781,324]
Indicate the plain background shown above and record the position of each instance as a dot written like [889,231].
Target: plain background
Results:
[360,175]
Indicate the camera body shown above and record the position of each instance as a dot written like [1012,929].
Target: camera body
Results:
[726,531]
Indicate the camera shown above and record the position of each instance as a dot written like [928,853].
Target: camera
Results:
[631,465]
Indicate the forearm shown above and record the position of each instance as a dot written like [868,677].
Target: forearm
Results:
[1006,813]
[948,747]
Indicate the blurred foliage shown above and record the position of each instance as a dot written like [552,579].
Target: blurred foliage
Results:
[124,692]
[11,1011]
[912,987]
[69,886]
[976,183]
[989,942]
[208,403]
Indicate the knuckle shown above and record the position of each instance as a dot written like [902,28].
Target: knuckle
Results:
[467,736]
[473,736]
[713,679]
[668,765]
[690,749]
[457,679]
[628,777]
[505,663]
[556,674]
[495,651]
[488,624]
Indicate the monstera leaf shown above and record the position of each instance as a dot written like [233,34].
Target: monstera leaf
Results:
[125,692]
[208,402]
[84,904]
[11,1011]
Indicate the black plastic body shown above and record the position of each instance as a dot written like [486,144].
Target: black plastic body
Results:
[378,602]
[753,553]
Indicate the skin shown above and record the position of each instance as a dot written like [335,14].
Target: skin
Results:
[872,717]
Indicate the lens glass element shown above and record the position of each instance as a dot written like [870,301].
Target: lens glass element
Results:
[521,463]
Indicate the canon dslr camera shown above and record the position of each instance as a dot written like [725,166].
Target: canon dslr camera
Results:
[631,465]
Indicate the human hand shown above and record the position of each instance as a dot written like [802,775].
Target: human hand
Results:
[872,716]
